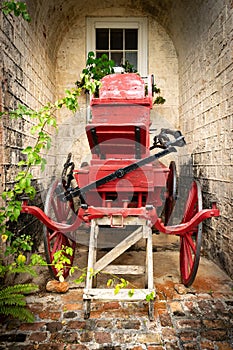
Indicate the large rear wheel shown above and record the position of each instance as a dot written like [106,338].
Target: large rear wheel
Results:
[55,240]
[190,242]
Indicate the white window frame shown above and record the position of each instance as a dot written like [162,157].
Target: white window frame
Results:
[139,23]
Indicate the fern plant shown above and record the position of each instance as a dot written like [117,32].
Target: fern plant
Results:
[12,301]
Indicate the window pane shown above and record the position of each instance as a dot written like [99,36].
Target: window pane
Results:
[102,41]
[131,39]
[116,39]
[131,57]
[117,57]
[99,54]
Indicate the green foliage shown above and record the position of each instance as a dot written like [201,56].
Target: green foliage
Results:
[12,301]
[37,260]
[32,157]
[17,8]
[21,243]
[81,279]
[129,68]
[123,284]
[17,245]
[95,70]
[159,99]
[61,260]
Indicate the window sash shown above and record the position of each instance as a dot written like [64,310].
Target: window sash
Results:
[117,44]
[139,23]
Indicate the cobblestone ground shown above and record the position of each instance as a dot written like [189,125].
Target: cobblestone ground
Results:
[186,319]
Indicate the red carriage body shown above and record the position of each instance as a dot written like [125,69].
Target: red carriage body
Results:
[118,136]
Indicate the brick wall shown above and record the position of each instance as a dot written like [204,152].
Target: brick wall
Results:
[206,105]
[27,77]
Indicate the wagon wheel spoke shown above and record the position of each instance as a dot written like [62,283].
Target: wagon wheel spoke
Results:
[61,209]
[55,240]
[189,255]
[190,244]
[52,235]
[58,244]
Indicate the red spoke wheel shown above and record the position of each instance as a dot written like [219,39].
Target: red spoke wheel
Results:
[54,240]
[190,242]
[171,193]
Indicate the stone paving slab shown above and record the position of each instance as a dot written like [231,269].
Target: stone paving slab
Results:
[196,318]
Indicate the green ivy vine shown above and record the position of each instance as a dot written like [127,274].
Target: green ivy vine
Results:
[17,8]
[18,246]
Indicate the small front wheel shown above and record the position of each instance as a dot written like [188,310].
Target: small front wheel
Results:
[190,242]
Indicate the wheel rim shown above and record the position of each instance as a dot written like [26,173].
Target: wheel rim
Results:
[55,240]
[171,186]
[190,242]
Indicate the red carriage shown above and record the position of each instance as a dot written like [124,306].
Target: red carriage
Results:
[121,190]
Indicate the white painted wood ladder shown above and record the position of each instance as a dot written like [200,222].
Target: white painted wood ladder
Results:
[95,266]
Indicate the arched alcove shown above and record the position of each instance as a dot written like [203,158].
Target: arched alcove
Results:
[190,53]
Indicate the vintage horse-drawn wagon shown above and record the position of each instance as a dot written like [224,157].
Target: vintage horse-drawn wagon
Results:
[120,191]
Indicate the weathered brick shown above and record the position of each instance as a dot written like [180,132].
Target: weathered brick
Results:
[191,346]
[165,319]
[38,336]
[73,307]
[216,334]
[207,309]
[102,337]
[86,336]
[149,338]
[51,346]
[54,326]
[188,335]
[188,324]
[79,325]
[176,308]
[18,337]
[76,347]
[223,345]
[52,315]
[215,324]
[72,296]
[66,337]
[70,314]
[104,324]
[131,324]
[169,334]
[207,345]
[37,326]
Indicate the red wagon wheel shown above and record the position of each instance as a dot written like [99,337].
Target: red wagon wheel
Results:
[62,212]
[171,192]
[190,242]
